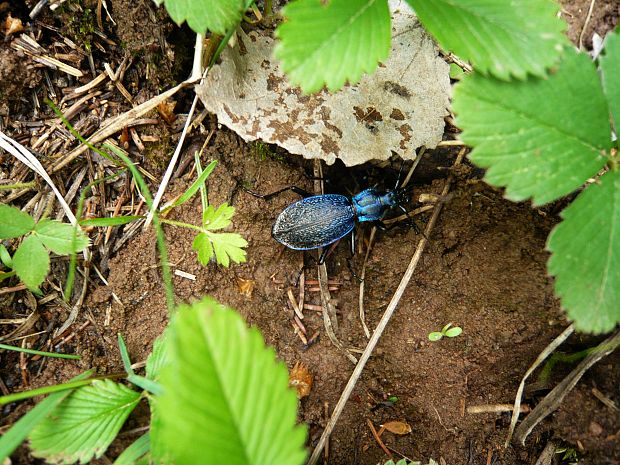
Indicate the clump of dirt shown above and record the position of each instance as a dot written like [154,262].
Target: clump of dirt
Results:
[603,18]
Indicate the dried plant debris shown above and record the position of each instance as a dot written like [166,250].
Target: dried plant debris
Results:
[300,379]
[395,110]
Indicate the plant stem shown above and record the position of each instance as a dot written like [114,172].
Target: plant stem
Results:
[18,185]
[181,224]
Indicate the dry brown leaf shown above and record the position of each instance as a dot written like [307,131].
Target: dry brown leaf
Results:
[397,427]
[12,25]
[301,379]
[246,286]
[166,111]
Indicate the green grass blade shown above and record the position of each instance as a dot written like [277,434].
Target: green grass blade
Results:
[10,440]
[42,391]
[124,355]
[226,397]
[197,184]
[136,450]
[501,38]
[39,352]
[204,202]
[159,233]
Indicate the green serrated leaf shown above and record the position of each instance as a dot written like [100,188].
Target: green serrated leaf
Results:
[585,258]
[205,15]
[542,138]
[12,438]
[217,219]
[610,67]
[85,424]
[58,237]
[228,246]
[226,397]
[137,449]
[159,450]
[202,245]
[502,38]
[330,43]
[31,262]
[14,222]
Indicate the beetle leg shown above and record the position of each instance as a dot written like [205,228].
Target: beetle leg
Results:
[270,196]
[326,251]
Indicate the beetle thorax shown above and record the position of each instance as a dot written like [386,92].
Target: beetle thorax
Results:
[371,205]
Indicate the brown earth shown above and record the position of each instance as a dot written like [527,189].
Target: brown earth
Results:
[483,270]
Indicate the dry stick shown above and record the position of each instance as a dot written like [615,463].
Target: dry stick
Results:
[378,439]
[117,123]
[330,318]
[546,456]
[373,231]
[585,24]
[173,162]
[555,397]
[541,357]
[389,311]
[495,408]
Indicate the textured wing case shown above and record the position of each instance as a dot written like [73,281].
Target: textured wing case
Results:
[314,222]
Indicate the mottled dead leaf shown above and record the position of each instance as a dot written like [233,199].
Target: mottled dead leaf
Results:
[395,110]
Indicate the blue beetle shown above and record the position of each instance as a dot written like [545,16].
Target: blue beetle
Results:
[320,220]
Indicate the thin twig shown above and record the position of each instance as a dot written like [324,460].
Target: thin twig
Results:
[495,408]
[585,24]
[543,355]
[330,318]
[389,311]
[373,231]
[378,439]
[552,400]
[362,312]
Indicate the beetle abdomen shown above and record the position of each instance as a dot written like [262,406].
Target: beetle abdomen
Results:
[314,222]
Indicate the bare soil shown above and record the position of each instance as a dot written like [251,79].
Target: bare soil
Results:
[483,270]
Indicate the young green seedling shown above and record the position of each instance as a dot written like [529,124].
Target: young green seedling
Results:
[446,331]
